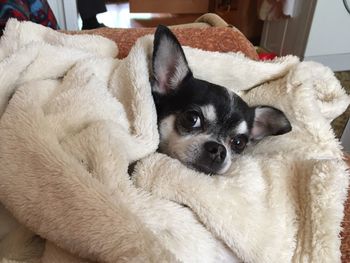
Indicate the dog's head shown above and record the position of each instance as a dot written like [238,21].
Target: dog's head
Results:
[202,124]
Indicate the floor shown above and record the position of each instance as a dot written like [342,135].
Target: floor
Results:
[118,16]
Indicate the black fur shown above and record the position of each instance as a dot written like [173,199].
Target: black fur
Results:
[175,94]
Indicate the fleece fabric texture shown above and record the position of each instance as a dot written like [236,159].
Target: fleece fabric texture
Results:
[73,118]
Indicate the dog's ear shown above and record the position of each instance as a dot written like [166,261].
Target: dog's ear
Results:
[269,121]
[169,62]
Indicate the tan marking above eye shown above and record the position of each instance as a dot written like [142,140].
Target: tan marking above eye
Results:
[242,128]
[209,112]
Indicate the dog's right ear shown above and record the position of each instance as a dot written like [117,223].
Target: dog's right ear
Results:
[169,63]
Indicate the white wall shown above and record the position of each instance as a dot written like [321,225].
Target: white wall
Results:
[289,35]
[57,9]
[66,13]
[329,37]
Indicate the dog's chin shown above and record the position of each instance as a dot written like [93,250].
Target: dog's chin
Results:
[206,169]
[203,169]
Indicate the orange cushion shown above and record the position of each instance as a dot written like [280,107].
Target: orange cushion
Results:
[223,39]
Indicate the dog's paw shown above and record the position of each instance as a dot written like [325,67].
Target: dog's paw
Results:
[159,174]
[147,171]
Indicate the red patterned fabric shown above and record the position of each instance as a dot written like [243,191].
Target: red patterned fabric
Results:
[37,11]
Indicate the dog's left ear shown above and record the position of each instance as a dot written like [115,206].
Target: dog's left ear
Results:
[269,121]
[169,62]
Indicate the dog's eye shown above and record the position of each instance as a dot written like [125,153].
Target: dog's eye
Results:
[191,119]
[239,142]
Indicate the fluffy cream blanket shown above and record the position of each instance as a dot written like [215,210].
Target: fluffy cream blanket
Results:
[73,118]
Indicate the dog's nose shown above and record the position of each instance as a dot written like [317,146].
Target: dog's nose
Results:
[216,151]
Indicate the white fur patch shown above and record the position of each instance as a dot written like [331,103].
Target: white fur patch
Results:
[242,128]
[209,112]
[166,127]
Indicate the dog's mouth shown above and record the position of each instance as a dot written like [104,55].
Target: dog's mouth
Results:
[203,169]
[208,169]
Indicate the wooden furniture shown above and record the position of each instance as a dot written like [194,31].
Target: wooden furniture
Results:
[174,7]
[243,15]
[240,13]
[317,31]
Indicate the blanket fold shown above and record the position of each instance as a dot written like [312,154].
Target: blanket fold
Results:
[73,118]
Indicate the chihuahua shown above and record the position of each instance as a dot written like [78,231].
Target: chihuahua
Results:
[201,124]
